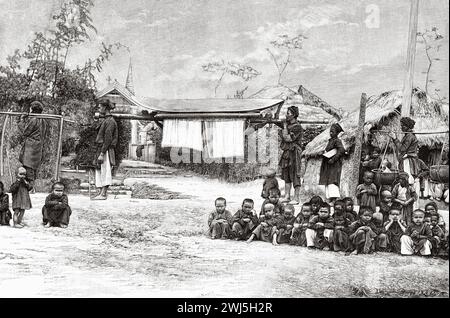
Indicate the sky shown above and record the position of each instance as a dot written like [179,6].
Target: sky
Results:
[351,47]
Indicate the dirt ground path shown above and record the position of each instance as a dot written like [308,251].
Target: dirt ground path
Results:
[128,247]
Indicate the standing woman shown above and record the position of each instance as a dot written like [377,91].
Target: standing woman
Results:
[33,131]
[290,162]
[407,150]
[330,171]
[106,140]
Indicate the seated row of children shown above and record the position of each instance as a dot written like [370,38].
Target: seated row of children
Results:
[316,227]
[55,212]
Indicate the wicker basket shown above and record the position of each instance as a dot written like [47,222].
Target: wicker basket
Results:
[385,178]
[439,173]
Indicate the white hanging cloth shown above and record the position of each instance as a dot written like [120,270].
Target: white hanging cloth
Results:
[182,133]
[224,138]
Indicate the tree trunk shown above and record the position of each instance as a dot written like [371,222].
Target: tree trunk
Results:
[356,157]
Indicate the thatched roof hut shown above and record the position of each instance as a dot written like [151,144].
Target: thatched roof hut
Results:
[383,114]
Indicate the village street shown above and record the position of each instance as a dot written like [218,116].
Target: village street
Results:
[126,247]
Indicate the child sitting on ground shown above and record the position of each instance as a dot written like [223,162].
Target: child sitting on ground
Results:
[56,211]
[284,226]
[270,182]
[319,233]
[244,221]
[431,208]
[316,203]
[437,240]
[298,236]
[5,213]
[219,221]
[273,198]
[21,201]
[365,235]
[341,224]
[366,193]
[405,194]
[395,228]
[265,229]
[416,239]
[349,209]
[385,204]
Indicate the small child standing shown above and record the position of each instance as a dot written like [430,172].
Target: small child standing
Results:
[395,228]
[341,223]
[5,213]
[56,211]
[416,239]
[405,194]
[219,221]
[284,225]
[264,231]
[273,198]
[385,204]
[21,201]
[366,193]
[298,236]
[319,233]
[270,182]
[244,221]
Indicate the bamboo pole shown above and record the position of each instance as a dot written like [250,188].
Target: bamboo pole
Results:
[355,161]
[410,59]
[44,116]
[58,155]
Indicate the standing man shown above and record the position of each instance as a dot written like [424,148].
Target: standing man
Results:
[106,140]
[33,131]
[290,162]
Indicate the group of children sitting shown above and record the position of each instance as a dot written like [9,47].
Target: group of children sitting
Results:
[55,212]
[394,227]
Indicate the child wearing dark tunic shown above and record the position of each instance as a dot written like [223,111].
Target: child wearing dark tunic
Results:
[267,226]
[284,226]
[301,222]
[244,221]
[56,211]
[366,193]
[431,208]
[319,233]
[341,224]
[350,213]
[438,241]
[270,182]
[395,228]
[365,234]
[219,221]
[405,194]
[316,203]
[416,239]
[20,197]
[273,198]
[385,204]
[5,213]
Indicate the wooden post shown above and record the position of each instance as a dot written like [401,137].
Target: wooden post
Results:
[355,161]
[410,59]
[59,151]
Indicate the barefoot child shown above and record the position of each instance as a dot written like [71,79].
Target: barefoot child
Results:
[395,228]
[405,194]
[298,236]
[219,221]
[364,233]
[416,239]
[366,193]
[5,213]
[20,197]
[341,224]
[385,204]
[438,241]
[319,233]
[264,231]
[349,209]
[244,221]
[56,211]
[284,226]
